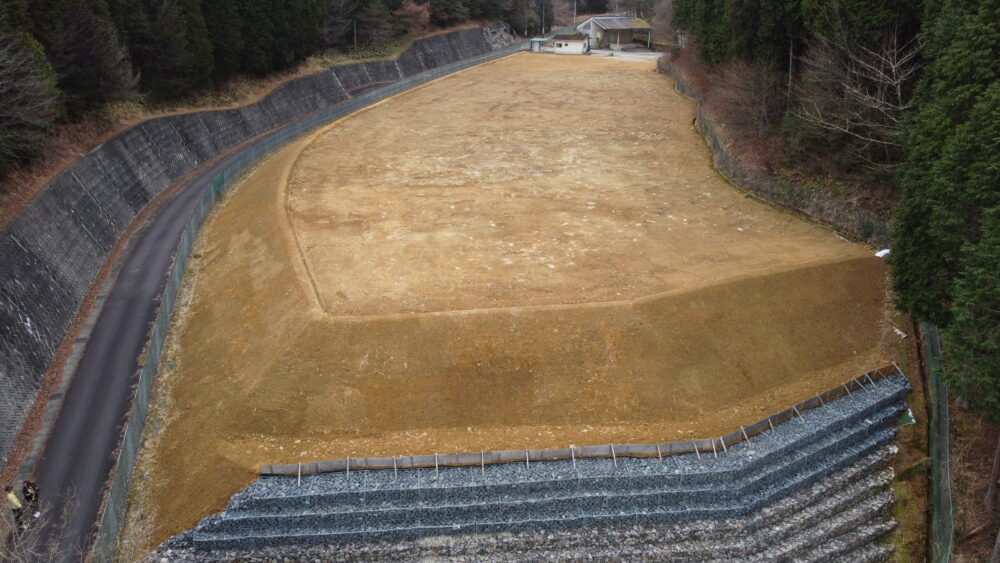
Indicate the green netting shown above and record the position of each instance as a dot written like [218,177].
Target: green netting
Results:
[942,506]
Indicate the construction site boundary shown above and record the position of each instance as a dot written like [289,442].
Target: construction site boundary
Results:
[863,225]
[849,219]
[113,512]
[483,458]
[942,528]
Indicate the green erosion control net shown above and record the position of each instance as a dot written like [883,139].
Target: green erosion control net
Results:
[942,507]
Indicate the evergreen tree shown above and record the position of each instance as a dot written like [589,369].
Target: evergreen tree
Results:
[91,64]
[706,19]
[131,18]
[952,171]
[282,53]
[258,37]
[972,340]
[224,23]
[306,18]
[181,60]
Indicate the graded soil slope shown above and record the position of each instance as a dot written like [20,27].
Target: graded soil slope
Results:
[532,253]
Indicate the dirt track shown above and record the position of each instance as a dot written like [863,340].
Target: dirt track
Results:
[532,253]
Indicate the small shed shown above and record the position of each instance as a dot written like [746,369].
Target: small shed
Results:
[614,32]
[570,44]
[564,44]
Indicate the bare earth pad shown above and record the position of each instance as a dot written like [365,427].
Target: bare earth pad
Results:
[532,253]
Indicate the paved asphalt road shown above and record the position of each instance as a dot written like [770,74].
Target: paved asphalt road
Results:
[79,453]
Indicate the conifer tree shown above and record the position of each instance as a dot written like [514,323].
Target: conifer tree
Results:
[181,58]
[224,23]
[972,340]
[92,66]
[952,171]
[258,34]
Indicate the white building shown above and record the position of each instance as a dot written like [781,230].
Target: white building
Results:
[568,44]
[615,32]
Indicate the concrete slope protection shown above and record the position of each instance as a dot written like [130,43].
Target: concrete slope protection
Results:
[735,494]
[86,433]
[53,250]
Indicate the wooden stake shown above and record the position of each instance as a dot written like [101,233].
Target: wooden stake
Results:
[613,458]
[696,452]
[659,454]
[745,437]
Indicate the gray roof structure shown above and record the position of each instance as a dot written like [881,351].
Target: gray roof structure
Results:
[621,22]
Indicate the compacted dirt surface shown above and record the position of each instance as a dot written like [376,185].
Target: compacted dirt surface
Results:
[535,252]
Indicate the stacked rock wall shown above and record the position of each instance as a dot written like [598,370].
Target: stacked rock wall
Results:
[812,488]
[52,252]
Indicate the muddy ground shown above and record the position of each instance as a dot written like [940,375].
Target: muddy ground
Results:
[532,253]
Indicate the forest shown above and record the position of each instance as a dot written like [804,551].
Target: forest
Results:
[900,100]
[63,59]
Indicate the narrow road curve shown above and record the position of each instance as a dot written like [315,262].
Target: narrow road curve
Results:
[79,455]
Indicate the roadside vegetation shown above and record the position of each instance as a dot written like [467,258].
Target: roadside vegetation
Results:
[896,106]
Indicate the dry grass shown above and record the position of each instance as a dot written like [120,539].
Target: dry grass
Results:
[972,448]
[912,464]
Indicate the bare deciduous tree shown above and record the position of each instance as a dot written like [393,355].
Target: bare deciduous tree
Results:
[29,540]
[29,103]
[663,16]
[562,12]
[751,95]
[858,90]
[413,16]
[339,23]
[991,487]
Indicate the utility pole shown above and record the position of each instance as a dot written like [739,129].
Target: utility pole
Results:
[525,18]
[574,15]
[355,36]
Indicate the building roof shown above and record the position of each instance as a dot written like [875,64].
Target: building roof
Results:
[620,22]
[571,37]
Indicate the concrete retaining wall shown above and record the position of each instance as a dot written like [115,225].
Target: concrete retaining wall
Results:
[52,252]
